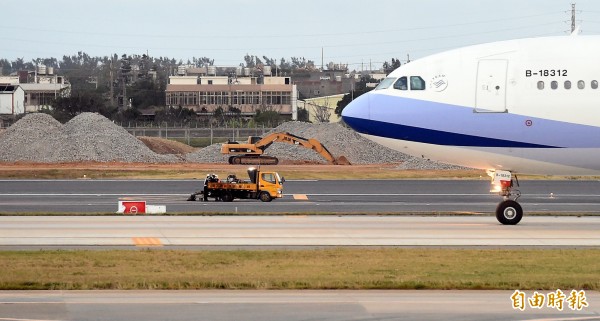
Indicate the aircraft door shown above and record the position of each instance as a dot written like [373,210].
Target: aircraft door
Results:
[491,86]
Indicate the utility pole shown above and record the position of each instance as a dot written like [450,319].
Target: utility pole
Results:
[572,17]
[124,92]
[322,60]
[112,84]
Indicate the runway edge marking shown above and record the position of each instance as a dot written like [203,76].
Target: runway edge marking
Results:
[146,241]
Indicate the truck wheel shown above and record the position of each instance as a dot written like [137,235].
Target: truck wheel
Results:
[265,197]
[227,197]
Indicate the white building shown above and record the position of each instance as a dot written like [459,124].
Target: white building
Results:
[12,100]
[41,95]
[40,87]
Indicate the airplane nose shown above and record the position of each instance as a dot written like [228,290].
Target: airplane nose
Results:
[357,113]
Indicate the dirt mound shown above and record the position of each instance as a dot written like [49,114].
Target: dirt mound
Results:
[166,146]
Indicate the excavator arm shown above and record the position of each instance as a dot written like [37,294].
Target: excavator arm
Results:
[252,152]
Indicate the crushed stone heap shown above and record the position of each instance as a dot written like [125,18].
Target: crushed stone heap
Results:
[87,137]
[31,138]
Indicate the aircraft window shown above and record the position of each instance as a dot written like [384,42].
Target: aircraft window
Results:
[386,83]
[594,84]
[554,84]
[581,84]
[567,84]
[401,84]
[417,83]
[540,85]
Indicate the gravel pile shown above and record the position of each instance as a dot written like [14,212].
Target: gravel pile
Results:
[86,137]
[340,141]
[208,154]
[32,138]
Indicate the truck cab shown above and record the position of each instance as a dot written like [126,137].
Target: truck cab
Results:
[270,184]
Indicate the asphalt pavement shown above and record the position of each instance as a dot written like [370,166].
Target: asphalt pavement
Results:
[318,196]
[256,305]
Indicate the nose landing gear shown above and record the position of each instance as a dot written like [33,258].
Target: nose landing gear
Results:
[508,212]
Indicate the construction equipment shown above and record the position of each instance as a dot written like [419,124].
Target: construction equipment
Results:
[264,186]
[252,151]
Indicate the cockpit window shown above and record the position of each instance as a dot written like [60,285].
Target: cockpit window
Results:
[401,84]
[417,83]
[386,83]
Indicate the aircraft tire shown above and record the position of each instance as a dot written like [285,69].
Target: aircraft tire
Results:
[509,212]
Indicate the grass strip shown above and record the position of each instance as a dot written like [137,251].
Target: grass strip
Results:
[338,268]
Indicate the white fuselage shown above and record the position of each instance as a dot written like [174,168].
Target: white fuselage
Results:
[527,106]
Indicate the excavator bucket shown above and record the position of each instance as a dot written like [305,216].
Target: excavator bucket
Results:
[342,160]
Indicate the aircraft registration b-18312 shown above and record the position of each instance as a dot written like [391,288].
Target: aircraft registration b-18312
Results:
[527,106]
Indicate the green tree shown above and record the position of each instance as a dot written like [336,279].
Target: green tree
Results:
[175,114]
[249,61]
[303,114]
[268,118]
[391,66]
[219,115]
[145,93]
[65,108]
[20,64]
[81,70]
[5,67]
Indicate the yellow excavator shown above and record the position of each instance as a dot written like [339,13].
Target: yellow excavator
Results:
[251,153]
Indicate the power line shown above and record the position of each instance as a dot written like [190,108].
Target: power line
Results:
[261,36]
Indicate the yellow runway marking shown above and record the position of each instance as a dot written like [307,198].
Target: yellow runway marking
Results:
[301,197]
[146,241]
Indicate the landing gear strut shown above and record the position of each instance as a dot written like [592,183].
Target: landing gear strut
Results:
[508,212]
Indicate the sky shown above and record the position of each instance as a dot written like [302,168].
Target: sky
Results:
[362,34]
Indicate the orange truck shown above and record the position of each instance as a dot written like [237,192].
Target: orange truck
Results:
[261,185]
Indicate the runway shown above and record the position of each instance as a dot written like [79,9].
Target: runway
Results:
[475,226]
[319,196]
[280,305]
[201,232]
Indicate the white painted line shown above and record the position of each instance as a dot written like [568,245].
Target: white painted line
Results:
[15,319]
[127,180]
[99,180]
[87,194]
[308,194]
